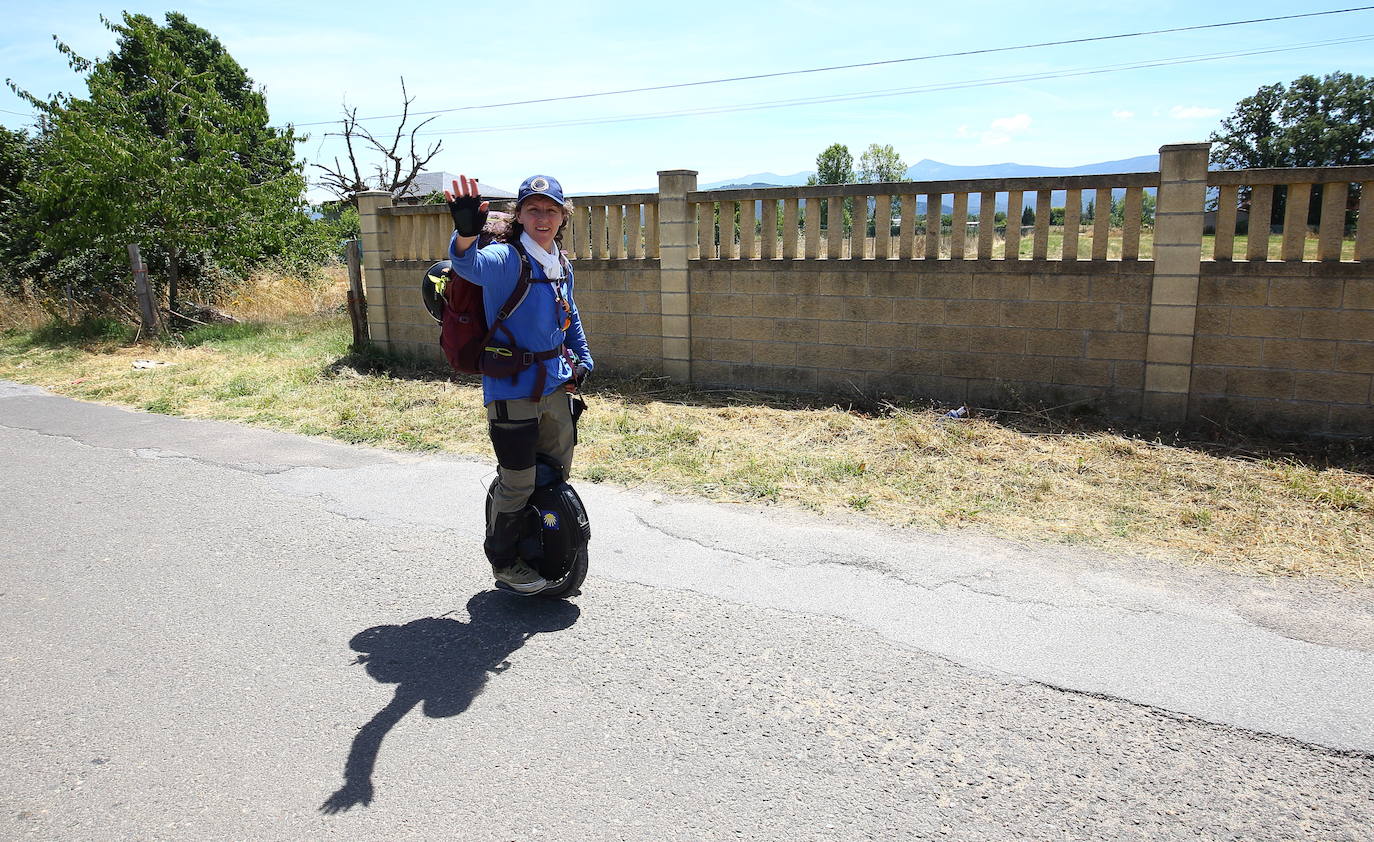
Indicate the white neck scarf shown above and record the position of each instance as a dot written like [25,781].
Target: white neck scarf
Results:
[553,266]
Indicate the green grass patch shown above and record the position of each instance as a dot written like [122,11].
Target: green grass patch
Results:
[242,335]
[82,334]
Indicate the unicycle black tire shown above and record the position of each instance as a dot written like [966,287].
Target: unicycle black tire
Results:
[570,583]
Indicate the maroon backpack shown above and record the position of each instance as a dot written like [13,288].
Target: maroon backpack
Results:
[456,303]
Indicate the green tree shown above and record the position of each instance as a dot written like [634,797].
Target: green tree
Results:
[17,229]
[1147,210]
[881,164]
[168,163]
[267,152]
[878,165]
[341,218]
[1028,215]
[15,154]
[1313,122]
[834,166]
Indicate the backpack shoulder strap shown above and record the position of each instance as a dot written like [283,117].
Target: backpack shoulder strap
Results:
[522,287]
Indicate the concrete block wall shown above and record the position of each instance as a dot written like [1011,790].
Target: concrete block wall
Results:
[979,332]
[1289,346]
[410,328]
[619,302]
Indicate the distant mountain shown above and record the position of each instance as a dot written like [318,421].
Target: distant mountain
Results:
[739,186]
[760,179]
[928,170]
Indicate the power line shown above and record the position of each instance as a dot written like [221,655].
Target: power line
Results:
[942,86]
[879,63]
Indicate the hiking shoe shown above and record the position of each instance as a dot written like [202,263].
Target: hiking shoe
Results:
[520,578]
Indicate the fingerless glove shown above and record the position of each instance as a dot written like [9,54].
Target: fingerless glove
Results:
[468,218]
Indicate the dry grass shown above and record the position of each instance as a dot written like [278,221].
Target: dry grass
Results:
[25,313]
[264,297]
[1242,506]
[270,297]
[907,466]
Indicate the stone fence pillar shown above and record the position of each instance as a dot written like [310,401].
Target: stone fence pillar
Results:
[676,235]
[1179,210]
[376,237]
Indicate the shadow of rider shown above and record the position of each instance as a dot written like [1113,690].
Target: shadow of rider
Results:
[441,663]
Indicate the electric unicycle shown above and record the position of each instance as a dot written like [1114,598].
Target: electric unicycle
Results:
[555,533]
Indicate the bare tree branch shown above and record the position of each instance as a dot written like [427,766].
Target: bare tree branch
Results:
[336,180]
[388,174]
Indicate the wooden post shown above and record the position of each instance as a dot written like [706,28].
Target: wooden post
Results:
[146,310]
[357,299]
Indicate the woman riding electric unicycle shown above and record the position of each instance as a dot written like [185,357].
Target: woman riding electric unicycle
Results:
[533,360]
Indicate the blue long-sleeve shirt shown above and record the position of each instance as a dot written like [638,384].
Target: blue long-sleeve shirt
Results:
[536,324]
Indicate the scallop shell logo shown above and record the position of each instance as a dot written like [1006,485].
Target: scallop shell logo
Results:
[550,520]
[539,184]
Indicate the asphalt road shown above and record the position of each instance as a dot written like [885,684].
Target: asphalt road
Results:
[215,632]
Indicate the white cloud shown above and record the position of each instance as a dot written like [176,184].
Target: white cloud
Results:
[1123,115]
[1192,112]
[999,131]
[1012,125]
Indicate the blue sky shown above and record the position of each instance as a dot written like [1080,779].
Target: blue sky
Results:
[313,57]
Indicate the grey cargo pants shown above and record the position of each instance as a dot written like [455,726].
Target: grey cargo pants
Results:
[520,429]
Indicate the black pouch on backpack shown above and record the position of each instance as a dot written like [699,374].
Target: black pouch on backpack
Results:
[501,360]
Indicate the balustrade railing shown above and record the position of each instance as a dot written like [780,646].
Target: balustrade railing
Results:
[418,232]
[616,227]
[1319,209]
[1091,218]
[905,220]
